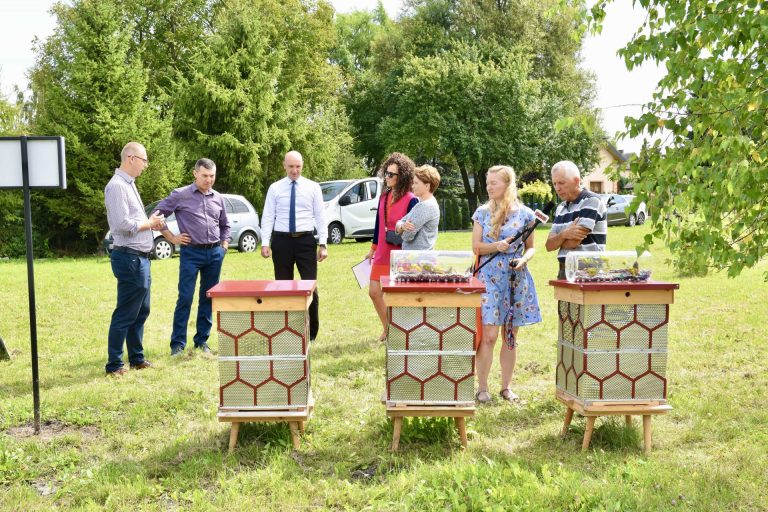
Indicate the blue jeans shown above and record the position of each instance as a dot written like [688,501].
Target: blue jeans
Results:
[206,262]
[132,309]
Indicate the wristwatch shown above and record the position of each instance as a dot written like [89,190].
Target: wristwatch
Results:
[323,246]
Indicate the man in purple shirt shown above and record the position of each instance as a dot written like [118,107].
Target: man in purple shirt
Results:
[204,240]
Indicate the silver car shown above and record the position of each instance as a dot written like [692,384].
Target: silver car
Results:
[243,219]
[619,212]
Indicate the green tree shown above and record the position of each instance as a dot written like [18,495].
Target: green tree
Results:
[473,83]
[706,182]
[89,87]
[166,33]
[262,85]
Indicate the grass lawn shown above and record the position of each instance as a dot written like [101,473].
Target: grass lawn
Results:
[151,441]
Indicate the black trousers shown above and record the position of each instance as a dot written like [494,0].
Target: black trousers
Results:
[301,252]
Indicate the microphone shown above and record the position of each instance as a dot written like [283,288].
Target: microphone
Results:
[524,234]
[541,218]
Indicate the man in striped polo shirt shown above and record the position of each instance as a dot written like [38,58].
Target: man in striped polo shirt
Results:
[580,221]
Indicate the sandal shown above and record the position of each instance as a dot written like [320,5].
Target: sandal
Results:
[509,395]
[483,397]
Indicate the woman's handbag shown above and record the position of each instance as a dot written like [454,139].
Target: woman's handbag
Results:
[391,237]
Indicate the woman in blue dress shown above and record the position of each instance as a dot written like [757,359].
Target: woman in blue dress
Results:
[510,296]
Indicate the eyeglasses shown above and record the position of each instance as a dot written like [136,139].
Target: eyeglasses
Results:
[146,162]
[388,174]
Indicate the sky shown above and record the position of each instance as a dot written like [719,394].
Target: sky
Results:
[619,92]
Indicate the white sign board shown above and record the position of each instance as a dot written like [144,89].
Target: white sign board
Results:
[45,159]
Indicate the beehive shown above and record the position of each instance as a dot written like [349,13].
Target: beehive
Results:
[613,351]
[431,341]
[263,343]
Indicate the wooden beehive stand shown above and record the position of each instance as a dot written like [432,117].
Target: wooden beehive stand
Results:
[626,409]
[613,293]
[424,295]
[295,417]
[265,296]
[398,411]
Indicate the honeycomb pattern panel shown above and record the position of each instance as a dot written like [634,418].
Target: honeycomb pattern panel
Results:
[588,387]
[602,337]
[269,322]
[396,339]
[601,365]
[430,377]
[238,394]
[404,387]
[441,318]
[251,344]
[635,336]
[618,387]
[263,382]
[406,318]
[286,343]
[659,338]
[235,323]
[262,333]
[650,387]
[616,375]
[652,315]
[226,345]
[423,337]
[618,315]
[443,389]
[459,338]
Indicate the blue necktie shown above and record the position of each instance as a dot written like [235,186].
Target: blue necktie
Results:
[292,212]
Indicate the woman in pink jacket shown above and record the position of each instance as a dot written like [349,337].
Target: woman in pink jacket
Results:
[395,202]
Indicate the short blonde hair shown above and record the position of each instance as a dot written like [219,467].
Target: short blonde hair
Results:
[429,175]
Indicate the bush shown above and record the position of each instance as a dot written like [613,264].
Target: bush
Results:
[537,194]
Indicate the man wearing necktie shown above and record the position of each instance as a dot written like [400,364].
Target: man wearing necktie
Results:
[293,210]
[204,238]
[132,233]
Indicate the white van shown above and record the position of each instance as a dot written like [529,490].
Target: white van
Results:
[350,208]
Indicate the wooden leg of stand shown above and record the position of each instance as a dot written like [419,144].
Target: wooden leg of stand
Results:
[398,425]
[628,421]
[647,432]
[567,423]
[294,425]
[233,435]
[588,432]
[461,424]
[301,427]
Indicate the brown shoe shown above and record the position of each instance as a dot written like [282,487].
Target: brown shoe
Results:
[142,365]
[117,373]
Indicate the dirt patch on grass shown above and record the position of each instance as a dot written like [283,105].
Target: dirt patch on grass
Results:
[52,429]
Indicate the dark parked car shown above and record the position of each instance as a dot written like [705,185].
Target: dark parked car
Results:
[619,213]
[243,219]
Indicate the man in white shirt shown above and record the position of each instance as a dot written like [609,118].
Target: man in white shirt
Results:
[292,211]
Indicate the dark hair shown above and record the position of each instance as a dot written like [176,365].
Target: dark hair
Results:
[405,168]
[207,163]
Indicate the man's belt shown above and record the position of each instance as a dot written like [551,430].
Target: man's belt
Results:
[128,250]
[204,246]
[295,234]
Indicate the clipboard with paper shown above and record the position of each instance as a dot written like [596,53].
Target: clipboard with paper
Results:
[362,272]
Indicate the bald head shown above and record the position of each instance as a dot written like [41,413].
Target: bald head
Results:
[132,148]
[293,164]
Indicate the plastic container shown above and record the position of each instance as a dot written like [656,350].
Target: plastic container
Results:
[431,266]
[607,267]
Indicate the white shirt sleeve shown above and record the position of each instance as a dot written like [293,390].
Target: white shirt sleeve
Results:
[318,207]
[268,216]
